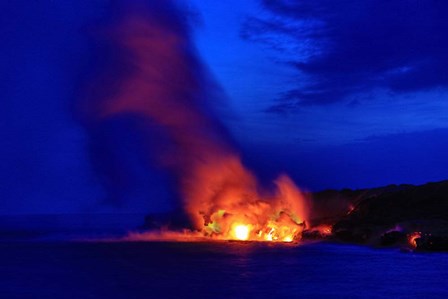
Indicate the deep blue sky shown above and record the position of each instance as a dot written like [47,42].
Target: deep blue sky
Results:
[337,93]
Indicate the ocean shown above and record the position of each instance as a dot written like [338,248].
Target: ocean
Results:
[95,268]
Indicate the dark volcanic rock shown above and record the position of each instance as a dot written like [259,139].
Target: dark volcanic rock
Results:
[432,243]
[393,238]
[330,206]
[314,235]
[408,209]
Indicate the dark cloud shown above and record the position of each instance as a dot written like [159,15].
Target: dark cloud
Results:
[350,47]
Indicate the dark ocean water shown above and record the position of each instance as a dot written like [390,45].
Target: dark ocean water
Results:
[49,268]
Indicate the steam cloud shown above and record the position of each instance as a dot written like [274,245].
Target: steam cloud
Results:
[150,79]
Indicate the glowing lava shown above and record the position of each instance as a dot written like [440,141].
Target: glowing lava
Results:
[288,239]
[413,238]
[241,232]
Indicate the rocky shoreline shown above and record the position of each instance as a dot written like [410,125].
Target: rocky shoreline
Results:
[407,216]
[403,216]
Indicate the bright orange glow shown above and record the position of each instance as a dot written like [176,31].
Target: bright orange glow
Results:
[241,232]
[412,238]
[324,230]
[288,239]
[240,212]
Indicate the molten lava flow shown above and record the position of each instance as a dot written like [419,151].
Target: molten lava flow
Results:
[412,238]
[241,212]
[241,232]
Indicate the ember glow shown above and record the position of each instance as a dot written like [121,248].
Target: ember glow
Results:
[412,238]
[165,86]
[324,230]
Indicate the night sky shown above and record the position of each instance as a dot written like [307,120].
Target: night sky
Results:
[339,94]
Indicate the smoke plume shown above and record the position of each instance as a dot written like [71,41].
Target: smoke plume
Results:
[150,80]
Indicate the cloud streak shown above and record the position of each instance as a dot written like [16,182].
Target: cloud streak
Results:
[345,48]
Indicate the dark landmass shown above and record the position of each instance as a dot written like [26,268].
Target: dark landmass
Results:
[396,215]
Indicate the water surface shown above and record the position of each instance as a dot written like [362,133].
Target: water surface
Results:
[216,270]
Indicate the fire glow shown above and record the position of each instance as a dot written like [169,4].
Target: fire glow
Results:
[275,218]
[162,83]
[244,214]
[241,232]
[412,238]
[236,209]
